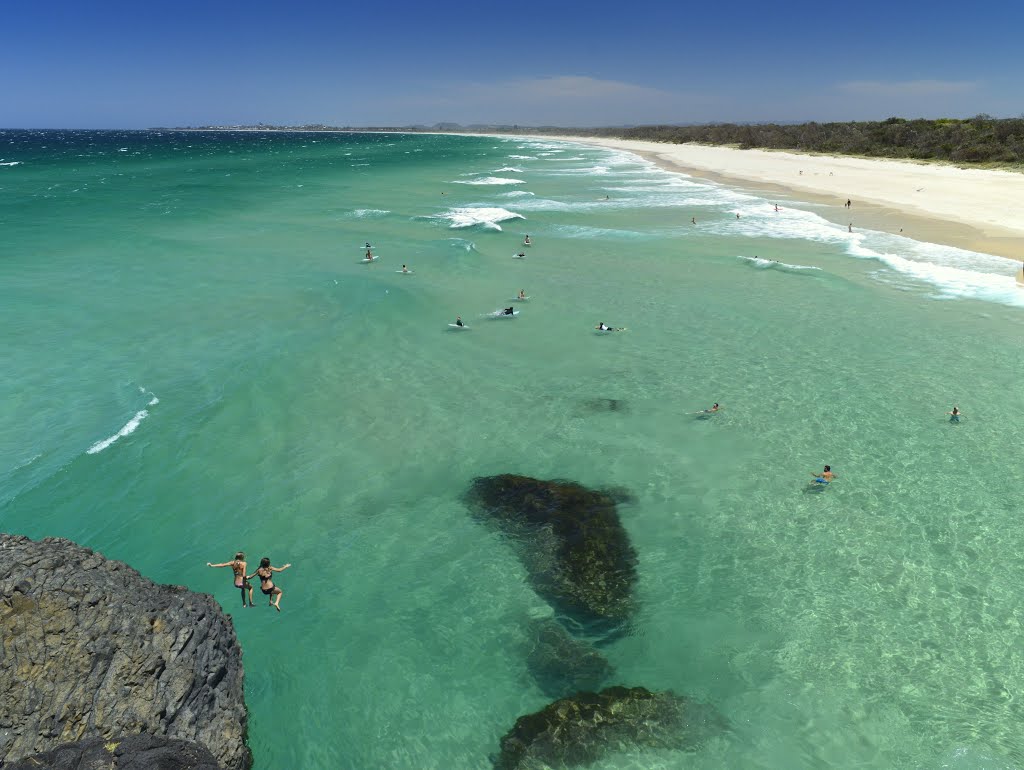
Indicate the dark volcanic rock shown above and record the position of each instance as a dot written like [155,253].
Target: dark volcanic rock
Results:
[575,548]
[561,664]
[91,649]
[582,729]
[135,752]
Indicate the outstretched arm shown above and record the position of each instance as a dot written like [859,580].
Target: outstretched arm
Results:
[281,569]
[225,564]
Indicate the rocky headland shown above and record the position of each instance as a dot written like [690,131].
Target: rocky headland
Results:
[90,649]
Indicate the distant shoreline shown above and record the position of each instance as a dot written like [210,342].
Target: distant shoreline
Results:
[973,209]
[933,201]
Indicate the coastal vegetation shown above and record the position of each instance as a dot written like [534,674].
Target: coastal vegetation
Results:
[978,140]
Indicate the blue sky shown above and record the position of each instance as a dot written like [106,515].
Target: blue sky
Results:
[116,64]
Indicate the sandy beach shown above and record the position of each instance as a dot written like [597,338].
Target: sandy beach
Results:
[976,209]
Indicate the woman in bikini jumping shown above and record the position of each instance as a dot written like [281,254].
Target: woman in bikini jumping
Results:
[238,566]
[266,575]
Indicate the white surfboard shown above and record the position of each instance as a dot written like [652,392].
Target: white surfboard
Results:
[367,260]
[518,256]
[405,272]
[457,327]
[520,299]
[502,314]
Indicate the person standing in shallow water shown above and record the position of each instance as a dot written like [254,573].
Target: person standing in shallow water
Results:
[241,579]
[266,575]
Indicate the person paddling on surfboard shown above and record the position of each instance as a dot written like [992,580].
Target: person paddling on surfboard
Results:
[368,254]
[603,327]
[825,477]
[522,294]
[526,241]
[405,269]
[508,311]
[458,321]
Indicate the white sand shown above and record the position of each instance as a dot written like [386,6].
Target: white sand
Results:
[976,209]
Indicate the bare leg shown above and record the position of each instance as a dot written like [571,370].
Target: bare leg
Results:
[250,594]
[243,595]
[277,595]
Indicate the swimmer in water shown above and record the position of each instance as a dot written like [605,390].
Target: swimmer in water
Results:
[955,415]
[522,294]
[825,477]
[714,408]
[526,241]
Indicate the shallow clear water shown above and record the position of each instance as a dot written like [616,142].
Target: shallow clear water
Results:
[200,298]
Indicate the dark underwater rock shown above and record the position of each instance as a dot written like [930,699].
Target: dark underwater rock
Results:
[561,664]
[134,752]
[581,729]
[91,649]
[598,405]
[574,546]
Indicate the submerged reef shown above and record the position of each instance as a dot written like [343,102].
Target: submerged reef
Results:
[576,551]
[90,649]
[581,729]
[561,664]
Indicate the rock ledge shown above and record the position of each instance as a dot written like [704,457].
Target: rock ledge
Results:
[91,649]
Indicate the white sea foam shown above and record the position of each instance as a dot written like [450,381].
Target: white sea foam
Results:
[127,430]
[462,243]
[11,163]
[774,264]
[516,194]
[513,169]
[523,157]
[26,463]
[596,170]
[486,217]
[597,233]
[492,180]
[363,213]
[988,278]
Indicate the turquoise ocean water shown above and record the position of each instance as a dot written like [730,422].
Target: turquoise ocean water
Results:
[195,361]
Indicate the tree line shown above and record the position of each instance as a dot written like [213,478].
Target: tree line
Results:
[978,140]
